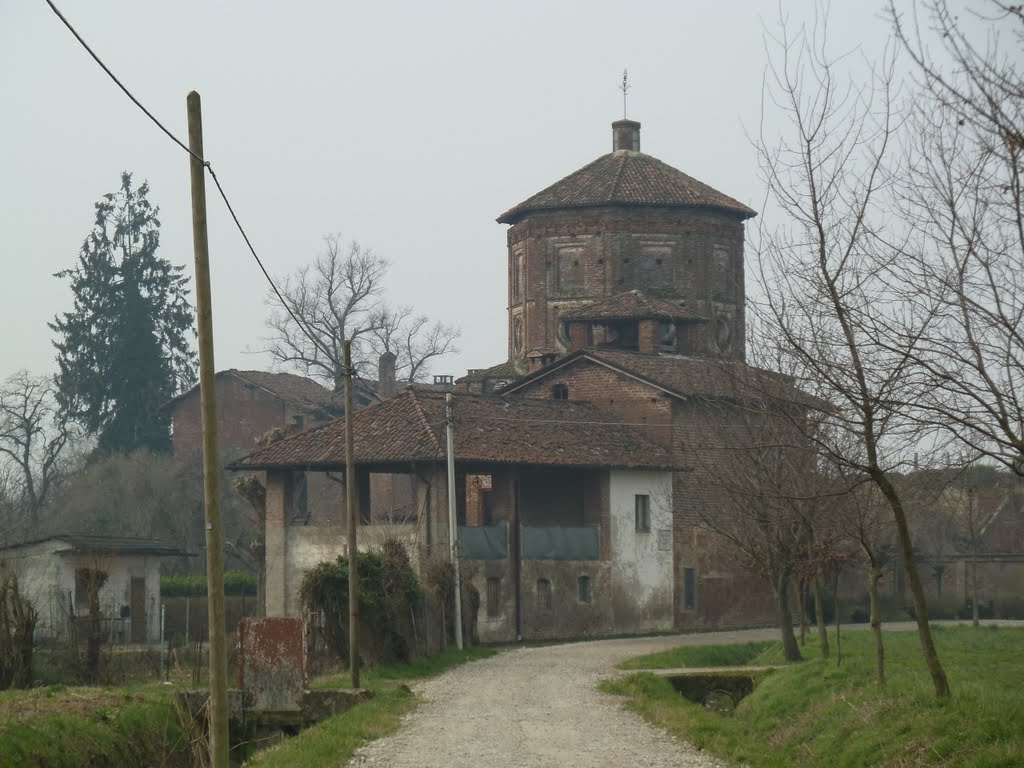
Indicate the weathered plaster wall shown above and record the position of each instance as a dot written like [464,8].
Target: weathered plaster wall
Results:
[48,580]
[641,562]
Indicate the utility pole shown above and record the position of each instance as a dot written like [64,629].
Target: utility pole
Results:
[351,501]
[453,523]
[211,472]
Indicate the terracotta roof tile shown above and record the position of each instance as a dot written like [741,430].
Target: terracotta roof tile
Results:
[488,430]
[293,389]
[686,376]
[630,305]
[627,178]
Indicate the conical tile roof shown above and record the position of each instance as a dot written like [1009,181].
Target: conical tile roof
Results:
[627,178]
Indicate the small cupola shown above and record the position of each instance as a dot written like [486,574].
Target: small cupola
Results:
[626,135]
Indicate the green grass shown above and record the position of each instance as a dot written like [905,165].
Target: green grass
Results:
[334,741]
[61,726]
[813,713]
[738,655]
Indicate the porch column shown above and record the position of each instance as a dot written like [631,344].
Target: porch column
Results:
[274,562]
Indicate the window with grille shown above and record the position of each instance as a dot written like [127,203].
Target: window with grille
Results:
[544,594]
[493,596]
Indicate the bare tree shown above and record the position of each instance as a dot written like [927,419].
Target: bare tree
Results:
[863,517]
[961,191]
[33,437]
[761,474]
[829,280]
[339,297]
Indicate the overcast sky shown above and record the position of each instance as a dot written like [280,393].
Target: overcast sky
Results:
[407,126]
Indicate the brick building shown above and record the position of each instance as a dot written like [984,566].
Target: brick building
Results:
[626,290]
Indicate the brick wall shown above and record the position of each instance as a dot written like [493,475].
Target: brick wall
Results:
[560,260]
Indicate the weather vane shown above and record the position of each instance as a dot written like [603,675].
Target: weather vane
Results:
[625,89]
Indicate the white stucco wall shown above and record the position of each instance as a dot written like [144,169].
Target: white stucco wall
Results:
[47,577]
[641,563]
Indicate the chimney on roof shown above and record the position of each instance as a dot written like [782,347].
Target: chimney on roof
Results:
[386,384]
[626,135]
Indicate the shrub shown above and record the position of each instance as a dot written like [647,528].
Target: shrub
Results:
[194,585]
[388,594]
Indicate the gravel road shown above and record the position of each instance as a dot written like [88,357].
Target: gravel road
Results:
[539,707]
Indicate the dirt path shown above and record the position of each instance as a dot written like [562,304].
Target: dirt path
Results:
[539,707]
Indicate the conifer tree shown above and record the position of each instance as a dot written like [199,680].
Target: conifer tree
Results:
[124,350]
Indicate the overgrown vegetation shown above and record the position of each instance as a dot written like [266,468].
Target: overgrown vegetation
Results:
[334,741]
[17,625]
[58,727]
[389,593]
[815,713]
[740,654]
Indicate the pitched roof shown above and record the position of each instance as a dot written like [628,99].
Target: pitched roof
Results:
[109,545]
[684,376]
[630,305]
[627,178]
[289,387]
[510,369]
[488,430]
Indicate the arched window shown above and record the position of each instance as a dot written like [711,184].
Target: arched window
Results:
[560,392]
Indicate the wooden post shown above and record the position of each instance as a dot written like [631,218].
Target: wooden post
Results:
[211,472]
[351,504]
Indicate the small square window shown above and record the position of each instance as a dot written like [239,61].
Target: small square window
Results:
[583,589]
[642,511]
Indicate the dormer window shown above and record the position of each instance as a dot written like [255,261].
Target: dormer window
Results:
[668,337]
[622,335]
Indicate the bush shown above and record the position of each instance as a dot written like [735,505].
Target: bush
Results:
[188,585]
[388,595]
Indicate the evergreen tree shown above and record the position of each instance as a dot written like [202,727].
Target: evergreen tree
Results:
[124,349]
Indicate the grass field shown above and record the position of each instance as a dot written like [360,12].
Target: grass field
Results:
[334,741]
[60,727]
[814,713]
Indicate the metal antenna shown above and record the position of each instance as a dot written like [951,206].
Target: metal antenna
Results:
[625,89]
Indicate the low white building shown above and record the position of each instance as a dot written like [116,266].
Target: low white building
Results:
[54,574]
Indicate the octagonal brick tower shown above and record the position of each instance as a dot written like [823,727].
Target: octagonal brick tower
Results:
[625,222]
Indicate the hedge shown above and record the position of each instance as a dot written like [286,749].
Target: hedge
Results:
[185,585]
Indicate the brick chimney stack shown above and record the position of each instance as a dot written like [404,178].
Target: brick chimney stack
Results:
[386,383]
[626,135]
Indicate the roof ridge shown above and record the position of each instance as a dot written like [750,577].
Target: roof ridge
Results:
[421,412]
[618,176]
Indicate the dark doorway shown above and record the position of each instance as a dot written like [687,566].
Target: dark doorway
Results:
[138,606]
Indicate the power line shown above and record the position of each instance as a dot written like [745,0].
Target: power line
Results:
[206,164]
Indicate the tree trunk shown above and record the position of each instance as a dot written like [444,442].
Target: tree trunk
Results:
[835,610]
[819,618]
[924,633]
[974,586]
[876,625]
[789,645]
[803,613]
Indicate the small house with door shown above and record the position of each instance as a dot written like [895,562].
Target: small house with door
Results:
[563,510]
[56,574]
